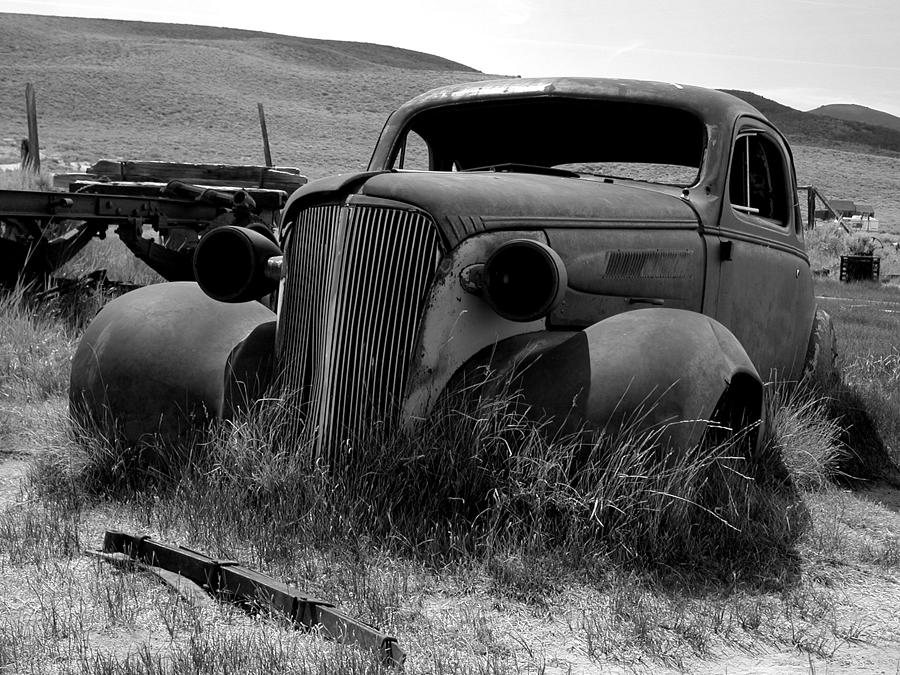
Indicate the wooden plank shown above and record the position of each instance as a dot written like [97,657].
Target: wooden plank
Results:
[266,200]
[230,175]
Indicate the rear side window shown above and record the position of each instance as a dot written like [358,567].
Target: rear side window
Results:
[758,180]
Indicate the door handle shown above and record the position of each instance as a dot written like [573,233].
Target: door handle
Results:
[726,249]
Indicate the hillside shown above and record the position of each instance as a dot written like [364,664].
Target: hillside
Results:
[123,89]
[864,178]
[859,113]
[810,128]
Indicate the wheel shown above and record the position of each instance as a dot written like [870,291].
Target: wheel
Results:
[821,369]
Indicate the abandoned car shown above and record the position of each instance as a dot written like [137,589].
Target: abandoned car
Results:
[631,252]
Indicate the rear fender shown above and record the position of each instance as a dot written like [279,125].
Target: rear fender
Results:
[154,360]
[656,369]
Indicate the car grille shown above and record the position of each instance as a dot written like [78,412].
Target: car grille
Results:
[357,278]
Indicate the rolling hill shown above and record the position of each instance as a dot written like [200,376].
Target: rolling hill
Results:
[134,90]
[859,113]
[124,89]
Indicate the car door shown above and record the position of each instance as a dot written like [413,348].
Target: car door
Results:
[765,285]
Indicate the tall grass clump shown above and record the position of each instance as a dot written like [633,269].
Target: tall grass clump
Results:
[807,435]
[477,480]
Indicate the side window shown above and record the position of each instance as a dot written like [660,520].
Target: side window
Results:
[414,154]
[758,181]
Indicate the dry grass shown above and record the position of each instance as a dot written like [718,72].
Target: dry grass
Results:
[829,241]
[110,254]
[866,320]
[35,350]
[16,179]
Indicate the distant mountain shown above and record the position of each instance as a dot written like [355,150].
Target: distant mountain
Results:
[812,128]
[859,113]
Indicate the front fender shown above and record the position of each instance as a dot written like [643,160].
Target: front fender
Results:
[154,360]
[667,370]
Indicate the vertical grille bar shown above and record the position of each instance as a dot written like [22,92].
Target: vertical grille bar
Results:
[357,278]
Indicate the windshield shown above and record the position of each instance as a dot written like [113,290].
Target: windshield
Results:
[614,139]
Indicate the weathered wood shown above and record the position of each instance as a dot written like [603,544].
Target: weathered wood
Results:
[278,178]
[31,156]
[810,209]
[267,151]
[268,201]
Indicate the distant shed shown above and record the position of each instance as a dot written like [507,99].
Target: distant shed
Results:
[845,207]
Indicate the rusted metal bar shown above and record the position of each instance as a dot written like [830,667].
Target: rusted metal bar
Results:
[101,207]
[228,580]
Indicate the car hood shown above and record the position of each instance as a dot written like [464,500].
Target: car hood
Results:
[466,203]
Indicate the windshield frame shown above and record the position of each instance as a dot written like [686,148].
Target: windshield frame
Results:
[466,135]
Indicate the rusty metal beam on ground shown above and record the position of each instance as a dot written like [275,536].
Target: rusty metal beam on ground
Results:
[230,581]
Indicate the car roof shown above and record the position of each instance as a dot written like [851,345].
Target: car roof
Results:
[714,107]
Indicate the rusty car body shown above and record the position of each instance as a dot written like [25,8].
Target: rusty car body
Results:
[630,252]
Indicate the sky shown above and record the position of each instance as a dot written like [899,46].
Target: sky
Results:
[802,53]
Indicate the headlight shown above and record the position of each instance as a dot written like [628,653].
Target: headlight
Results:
[524,280]
[237,264]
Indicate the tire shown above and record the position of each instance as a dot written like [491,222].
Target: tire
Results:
[821,369]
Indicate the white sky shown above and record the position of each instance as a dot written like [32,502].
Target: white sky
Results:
[802,53]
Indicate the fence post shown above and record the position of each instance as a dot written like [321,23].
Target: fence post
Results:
[265,134]
[810,208]
[31,149]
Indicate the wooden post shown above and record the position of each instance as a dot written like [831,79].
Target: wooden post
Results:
[32,154]
[265,134]
[810,208]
